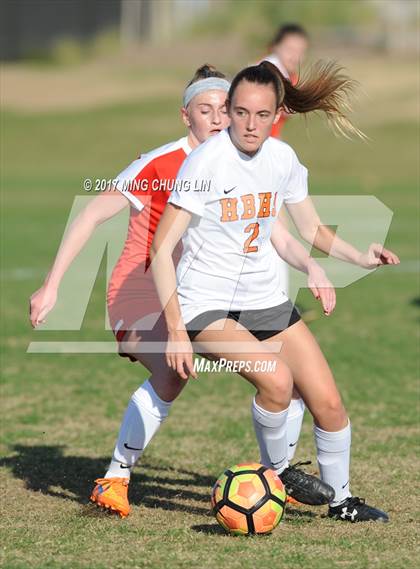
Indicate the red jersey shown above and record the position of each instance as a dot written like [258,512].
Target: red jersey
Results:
[147,183]
[293,78]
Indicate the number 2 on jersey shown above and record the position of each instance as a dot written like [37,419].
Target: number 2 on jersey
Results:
[255,228]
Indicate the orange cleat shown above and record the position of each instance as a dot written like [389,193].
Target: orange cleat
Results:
[290,500]
[111,493]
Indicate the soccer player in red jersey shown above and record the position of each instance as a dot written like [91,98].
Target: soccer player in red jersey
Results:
[133,305]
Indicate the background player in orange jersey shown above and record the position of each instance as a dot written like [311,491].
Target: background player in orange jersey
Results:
[287,51]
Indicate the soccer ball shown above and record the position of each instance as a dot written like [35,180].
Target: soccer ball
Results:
[248,498]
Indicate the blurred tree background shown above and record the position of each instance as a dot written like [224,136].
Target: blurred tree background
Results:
[38,29]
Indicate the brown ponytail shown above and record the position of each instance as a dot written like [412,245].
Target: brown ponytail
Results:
[324,88]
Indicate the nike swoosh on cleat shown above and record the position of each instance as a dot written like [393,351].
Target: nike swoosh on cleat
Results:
[125,466]
[131,448]
[345,484]
[292,444]
[228,191]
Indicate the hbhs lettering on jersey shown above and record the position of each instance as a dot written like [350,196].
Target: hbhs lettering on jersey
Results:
[233,210]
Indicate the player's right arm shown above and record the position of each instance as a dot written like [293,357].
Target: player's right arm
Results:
[98,210]
[172,225]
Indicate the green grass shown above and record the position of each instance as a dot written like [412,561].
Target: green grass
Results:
[61,412]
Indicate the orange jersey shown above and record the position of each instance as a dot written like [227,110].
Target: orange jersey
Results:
[278,126]
[146,183]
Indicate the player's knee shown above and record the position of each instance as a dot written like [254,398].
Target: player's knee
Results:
[167,384]
[332,410]
[277,388]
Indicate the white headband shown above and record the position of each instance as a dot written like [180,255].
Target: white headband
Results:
[208,84]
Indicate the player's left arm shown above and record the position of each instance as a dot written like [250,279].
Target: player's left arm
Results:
[311,229]
[295,254]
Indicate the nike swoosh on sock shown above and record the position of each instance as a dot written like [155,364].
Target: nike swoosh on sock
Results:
[131,448]
[278,462]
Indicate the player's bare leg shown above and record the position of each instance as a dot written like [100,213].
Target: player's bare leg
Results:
[270,405]
[315,382]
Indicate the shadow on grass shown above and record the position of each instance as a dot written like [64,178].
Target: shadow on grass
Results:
[215,529]
[209,529]
[294,514]
[299,513]
[46,469]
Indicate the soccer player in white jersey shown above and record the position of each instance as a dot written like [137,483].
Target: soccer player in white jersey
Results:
[228,292]
[131,296]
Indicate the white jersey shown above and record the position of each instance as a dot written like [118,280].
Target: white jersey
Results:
[228,261]
[272,58]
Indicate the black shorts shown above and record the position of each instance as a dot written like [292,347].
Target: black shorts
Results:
[263,323]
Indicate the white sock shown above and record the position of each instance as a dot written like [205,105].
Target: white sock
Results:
[145,413]
[333,453]
[270,429]
[294,425]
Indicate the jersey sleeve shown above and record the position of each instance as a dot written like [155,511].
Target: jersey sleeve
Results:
[188,193]
[135,181]
[297,184]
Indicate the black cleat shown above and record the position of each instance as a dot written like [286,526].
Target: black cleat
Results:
[306,488]
[355,509]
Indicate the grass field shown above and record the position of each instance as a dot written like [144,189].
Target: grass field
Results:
[61,412]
